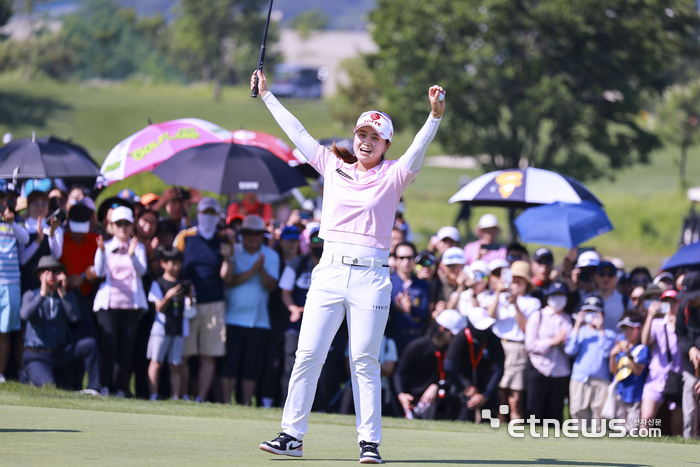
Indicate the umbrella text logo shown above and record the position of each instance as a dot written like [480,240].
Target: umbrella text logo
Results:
[248,185]
[508,182]
[182,133]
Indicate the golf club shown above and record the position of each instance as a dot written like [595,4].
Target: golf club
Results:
[261,59]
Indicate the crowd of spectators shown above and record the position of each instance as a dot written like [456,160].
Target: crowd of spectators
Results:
[155,303]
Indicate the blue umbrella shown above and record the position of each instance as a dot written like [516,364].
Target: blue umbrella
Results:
[562,224]
[689,255]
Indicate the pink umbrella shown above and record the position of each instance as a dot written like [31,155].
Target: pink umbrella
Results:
[154,144]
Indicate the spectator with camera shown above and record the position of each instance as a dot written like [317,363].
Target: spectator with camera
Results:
[208,263]
[511,305]
[120,300]
[45,235]
[48,310]
[486,247]
[12,234]
[664,383]
[589,344]
[247,316]
[173,301]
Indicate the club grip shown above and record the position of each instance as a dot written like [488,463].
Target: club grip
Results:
[254,93]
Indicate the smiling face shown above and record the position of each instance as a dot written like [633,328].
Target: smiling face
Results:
[369,146]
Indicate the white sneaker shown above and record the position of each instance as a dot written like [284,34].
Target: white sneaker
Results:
[283,445]
[90,392]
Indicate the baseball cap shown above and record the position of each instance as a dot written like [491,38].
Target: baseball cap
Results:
[479,318]
[606,265]
[448,232]
[479,266]
[122,213]
[588,258]
[425,258]
[543,255]
[632,321]
[593,303]
[555,288]
[148,198]
[290,232]
[208,203]
[454,255]
[669,294]
[377,120]
[498,264]
[665,276]
[452,320]
[487,221]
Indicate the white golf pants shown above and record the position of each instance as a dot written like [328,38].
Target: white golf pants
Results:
[363,295]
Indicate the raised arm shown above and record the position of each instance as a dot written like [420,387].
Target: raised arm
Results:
[413,158]
[288,122]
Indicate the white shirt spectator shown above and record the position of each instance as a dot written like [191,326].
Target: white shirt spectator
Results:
[506,327]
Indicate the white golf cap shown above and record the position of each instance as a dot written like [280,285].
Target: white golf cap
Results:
[452,320]
[487,221]
[453,255]
[208,203]
[588,258]
[122,213]
[498,263]
[479,318]
[377,120]
[448,232]
[479,266]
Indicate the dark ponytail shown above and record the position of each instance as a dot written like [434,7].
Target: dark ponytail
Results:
[343,154]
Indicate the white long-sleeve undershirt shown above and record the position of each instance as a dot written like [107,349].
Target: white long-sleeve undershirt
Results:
[307,145]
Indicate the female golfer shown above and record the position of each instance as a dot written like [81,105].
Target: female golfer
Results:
[361,193]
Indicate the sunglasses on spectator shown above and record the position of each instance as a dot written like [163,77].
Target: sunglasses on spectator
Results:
[640,282]
[512,258]
[252,232]
[40,202]
[404,257]
[54,270]
[607,273]
[122,223]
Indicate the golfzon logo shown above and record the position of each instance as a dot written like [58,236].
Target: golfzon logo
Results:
[615,427]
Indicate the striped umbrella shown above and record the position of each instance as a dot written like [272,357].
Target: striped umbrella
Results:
[517,188]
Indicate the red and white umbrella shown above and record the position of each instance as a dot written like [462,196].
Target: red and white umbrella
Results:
[154,144]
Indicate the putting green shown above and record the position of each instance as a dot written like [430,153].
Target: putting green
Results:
[50,436]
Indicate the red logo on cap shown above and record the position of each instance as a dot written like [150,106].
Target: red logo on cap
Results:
[375,116]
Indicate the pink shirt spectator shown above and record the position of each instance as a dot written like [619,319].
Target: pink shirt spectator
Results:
[541,327]
[659,366]
[471,251]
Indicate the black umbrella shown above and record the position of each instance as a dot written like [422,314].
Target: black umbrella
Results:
[47,157]
[229,168]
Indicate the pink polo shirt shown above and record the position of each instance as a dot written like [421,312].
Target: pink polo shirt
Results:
[359,207]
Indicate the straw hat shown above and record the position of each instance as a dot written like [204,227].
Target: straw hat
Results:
[522,269]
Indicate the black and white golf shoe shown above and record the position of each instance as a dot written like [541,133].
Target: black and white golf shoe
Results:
[369,453]
[283,445]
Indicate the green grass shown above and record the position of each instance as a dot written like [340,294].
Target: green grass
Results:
[644,202]
[50,427]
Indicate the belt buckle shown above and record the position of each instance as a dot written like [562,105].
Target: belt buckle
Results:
[349,260]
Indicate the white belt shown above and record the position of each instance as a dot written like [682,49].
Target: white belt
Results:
[364,262]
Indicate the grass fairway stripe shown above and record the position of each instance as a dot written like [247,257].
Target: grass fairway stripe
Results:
[115,432]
